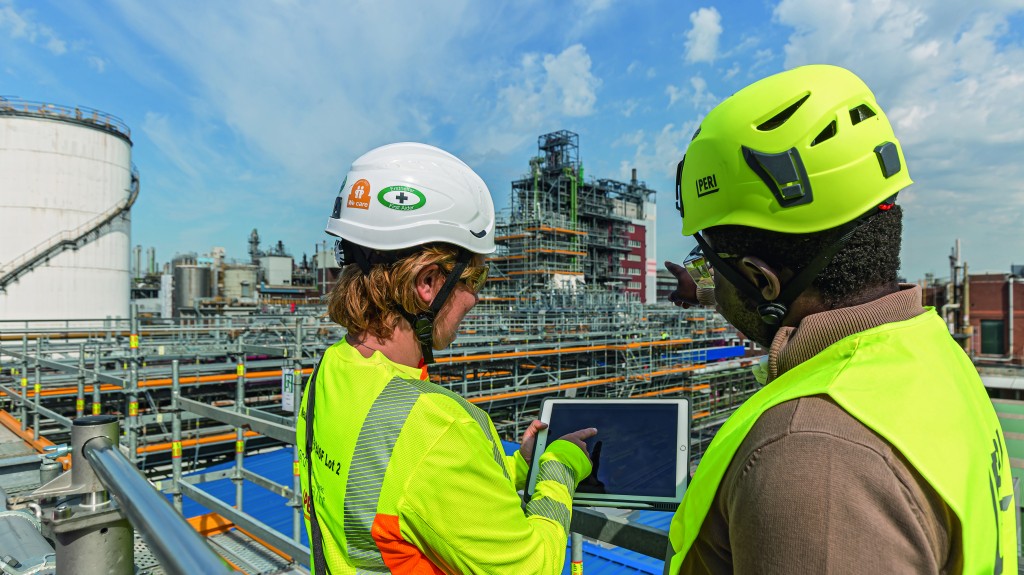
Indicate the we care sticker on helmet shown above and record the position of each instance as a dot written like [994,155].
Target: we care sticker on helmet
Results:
[402,198]
[359,195]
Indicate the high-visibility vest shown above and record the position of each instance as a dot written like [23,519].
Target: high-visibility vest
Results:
[410,478]
[911,384]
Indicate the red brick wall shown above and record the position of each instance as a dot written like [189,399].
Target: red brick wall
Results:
[989,295]
[639,234]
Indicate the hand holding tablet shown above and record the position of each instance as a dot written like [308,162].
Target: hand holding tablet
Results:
[640,457]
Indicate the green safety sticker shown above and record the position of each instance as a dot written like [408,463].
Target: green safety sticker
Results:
[402,198]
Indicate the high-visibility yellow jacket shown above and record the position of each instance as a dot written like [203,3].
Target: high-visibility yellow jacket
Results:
[409,477]
[911,384]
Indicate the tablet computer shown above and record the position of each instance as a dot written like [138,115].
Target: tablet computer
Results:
[640,453]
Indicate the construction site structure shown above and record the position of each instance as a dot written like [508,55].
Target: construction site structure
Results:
[563,315]
[597,231]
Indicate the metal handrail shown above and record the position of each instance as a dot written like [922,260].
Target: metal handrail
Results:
[77,114]
[178,547]
[64,239]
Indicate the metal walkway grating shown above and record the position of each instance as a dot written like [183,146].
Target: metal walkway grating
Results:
[248,554]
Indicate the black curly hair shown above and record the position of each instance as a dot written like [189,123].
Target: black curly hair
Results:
[870,259]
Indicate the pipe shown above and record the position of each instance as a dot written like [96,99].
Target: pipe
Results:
[1009,305]
[1009,357]
[577,553]
[176,545]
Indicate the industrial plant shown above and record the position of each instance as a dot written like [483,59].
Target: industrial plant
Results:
[190,371]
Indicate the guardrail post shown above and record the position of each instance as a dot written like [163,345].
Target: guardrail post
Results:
[133,413]
[133,385]
[239,433]
[97,406]
[297,388]
[176,434]
[296,501]
[91,535]
[24,397]
[80,397]
[577,553]
[24,382]
[36,388]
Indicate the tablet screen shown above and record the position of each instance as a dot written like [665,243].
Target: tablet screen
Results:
[634,452]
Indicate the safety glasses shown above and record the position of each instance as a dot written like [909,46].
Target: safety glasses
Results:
[697,265]
[474,276]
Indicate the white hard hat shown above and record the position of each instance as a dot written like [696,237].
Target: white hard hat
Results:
[407,194]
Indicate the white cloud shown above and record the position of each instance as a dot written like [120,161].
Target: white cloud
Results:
[594,6]
[97,63]
[55,45]
[702,38]
[698,94]
[21,25]
[675,93]
[950,81]
[702,98]
[630,106]
[569,76]
[657,155]
[544,89]
[158,128]
[310,102]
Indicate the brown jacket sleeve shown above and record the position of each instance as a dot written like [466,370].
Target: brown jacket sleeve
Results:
[811,490]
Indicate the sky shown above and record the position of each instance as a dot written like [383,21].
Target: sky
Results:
[248,114]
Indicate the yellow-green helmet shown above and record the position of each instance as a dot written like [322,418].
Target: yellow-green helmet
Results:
[802,151]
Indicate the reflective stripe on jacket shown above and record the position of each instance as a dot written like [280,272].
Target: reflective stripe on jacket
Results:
[911,384]
[411,478]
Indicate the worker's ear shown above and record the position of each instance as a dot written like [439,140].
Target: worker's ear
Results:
[762,275]
[429,281]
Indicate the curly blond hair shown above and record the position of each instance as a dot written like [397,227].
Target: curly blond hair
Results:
[371,302]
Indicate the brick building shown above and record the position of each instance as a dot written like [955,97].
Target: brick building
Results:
[998,335]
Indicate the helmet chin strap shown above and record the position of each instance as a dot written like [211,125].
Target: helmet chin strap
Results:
[423,322]
[772,312]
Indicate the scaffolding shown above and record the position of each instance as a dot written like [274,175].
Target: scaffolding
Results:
[596,217]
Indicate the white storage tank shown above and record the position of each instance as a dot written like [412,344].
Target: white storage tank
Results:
[66,191]
[240,283]
[192,283]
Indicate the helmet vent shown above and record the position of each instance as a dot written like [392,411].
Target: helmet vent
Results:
[781,118]
[860,113]
[827,133]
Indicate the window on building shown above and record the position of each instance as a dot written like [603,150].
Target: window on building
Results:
[632,228]
[633,257]
[633,243]
[993,336]
[634,285]
[634,272]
